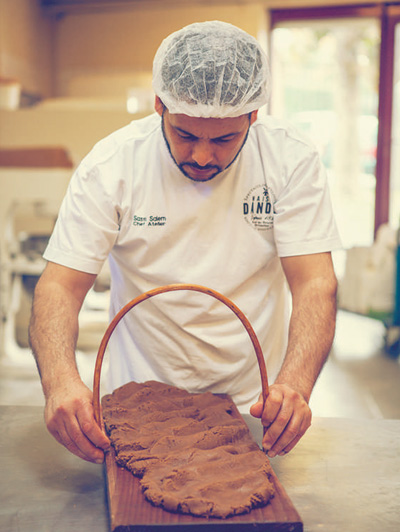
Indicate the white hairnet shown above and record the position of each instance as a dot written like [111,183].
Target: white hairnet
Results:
[211,69]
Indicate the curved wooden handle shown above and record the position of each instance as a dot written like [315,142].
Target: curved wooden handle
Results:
[171,288]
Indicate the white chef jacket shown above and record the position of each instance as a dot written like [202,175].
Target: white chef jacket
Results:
[129,201]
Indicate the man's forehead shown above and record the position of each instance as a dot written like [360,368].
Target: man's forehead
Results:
[208,127]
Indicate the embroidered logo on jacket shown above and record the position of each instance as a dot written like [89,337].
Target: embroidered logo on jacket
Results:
[149,220]
[258,208]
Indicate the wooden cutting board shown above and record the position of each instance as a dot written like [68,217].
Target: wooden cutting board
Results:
[131,512]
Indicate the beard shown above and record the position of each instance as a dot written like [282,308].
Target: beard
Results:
[217,169]
[209,167]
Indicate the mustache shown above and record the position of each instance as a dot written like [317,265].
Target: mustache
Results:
[199,167]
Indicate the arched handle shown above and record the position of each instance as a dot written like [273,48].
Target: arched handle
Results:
[172,288]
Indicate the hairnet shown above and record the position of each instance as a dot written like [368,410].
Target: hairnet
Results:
[211,69]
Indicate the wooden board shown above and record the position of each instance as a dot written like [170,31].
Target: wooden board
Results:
[131,512]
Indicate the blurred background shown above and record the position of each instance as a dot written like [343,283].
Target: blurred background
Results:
[73,71]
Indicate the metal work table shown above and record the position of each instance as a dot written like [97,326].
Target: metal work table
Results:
[343,476]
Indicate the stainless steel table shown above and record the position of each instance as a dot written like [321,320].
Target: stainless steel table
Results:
[343,476]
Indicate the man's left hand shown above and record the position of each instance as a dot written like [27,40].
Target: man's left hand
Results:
[286,417]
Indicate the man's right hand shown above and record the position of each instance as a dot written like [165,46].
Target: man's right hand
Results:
[69,417]
[53,331]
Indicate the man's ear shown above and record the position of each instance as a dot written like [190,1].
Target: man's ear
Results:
[253,116]
[159,106]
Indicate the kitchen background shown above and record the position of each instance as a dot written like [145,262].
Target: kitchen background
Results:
[72,71]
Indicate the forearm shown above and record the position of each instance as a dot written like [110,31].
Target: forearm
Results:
[53,334]
[311,333]
[285,413]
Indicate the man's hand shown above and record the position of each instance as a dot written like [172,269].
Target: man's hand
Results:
[69,417]
[53,331]
[286,417]
[286,414]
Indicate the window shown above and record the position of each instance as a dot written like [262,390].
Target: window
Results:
[327,79]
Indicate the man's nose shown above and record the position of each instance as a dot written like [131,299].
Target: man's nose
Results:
[203,153]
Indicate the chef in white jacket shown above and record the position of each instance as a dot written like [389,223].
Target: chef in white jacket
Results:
[204,191]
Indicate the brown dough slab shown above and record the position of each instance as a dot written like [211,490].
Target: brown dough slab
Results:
[196,456]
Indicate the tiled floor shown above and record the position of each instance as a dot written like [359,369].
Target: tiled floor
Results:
[358,380]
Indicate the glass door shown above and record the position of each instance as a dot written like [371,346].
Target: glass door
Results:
[326,80]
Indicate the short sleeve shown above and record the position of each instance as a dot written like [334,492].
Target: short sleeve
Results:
[304,221]
[87,225]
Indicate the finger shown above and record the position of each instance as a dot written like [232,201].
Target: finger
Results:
[272,406]
[91,429]
[291,445]
[287,435]
[79,443]
[282,425]
[61,435]
[256,410]
[66,431]
[305,425]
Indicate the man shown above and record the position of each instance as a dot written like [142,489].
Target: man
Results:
[205,192]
